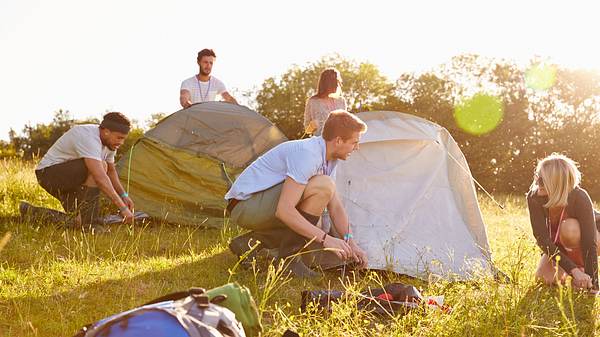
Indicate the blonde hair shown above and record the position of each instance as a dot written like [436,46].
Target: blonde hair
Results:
[559,175]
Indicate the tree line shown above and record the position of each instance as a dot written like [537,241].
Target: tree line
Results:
[545,108]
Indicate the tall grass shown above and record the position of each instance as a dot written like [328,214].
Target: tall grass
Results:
[53,281]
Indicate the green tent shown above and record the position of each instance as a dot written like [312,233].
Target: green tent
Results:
[180,170]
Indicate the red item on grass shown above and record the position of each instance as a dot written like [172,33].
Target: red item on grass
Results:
[386,297]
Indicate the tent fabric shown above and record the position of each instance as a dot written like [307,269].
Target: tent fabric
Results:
[411,201]
[228,132]
[180,170]
[407,191]
[176,186]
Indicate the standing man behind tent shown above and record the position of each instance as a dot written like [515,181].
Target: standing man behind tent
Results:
[80,165]
[281,195]
[203,87]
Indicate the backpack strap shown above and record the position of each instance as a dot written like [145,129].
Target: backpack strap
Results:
[177,295]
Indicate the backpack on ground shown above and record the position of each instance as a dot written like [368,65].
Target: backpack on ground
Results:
[227,311]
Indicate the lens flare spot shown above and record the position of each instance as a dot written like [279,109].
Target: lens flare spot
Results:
[479,114]
[540,76]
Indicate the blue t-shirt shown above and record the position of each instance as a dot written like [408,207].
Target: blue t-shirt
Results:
[297,159]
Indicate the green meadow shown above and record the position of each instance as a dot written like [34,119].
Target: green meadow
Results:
[54,281]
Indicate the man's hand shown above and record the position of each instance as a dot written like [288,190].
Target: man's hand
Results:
[185,98]
[228,98]
[127,200]
[127,216]
[581,280]
[358,254]
[339,247]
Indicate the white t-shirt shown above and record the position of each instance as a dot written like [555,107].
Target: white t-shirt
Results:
[203,91]
[297,159]
[81,141]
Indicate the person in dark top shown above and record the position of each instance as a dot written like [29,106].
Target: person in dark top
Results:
[563,223]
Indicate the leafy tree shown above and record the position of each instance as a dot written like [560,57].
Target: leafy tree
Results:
[7,150]
[562,118]
[36,140]
[154,119]
[282,99]
[568,120]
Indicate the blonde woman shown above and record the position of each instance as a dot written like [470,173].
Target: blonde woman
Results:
[327,99]
[563,223]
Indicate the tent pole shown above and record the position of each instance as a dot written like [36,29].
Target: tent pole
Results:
[472,178]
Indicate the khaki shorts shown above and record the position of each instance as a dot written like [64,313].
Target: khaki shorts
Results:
[258,212]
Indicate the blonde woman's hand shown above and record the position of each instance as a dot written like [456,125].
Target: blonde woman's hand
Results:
[581,280]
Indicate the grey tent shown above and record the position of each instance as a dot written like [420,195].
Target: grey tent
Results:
[410,198]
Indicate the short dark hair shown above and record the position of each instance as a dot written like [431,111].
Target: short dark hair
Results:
[341,123]
[205,52]
[116,121]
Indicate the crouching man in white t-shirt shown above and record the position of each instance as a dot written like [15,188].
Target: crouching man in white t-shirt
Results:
[79,165]
[282,194]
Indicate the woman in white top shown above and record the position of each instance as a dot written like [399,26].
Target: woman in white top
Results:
[327,99]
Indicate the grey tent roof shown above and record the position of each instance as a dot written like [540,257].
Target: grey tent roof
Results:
[231,133]
[411,201]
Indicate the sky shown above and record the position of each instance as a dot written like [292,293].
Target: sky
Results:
[90,57]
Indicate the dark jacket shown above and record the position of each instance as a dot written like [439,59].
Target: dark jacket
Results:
[579,206]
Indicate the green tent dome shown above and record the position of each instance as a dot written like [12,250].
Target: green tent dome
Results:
[180,170]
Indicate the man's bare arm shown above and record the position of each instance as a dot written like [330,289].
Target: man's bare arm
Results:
[338,215]
[185,98]
[100,176]
[291,193]
[116,182]
[96,170]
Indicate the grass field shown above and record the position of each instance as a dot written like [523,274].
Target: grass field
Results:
[53,281]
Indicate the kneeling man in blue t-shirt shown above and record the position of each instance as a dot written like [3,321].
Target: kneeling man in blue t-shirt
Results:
[280,197]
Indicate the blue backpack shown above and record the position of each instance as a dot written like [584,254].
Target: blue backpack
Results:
[184,314]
